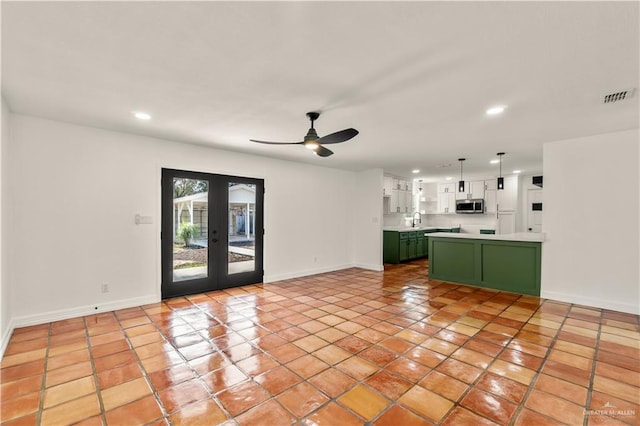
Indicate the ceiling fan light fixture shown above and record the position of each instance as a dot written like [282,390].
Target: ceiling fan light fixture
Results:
[312,145]
[313,142]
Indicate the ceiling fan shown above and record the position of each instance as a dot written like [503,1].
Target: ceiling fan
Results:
[313,142]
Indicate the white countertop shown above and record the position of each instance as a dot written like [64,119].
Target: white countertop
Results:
[528,237]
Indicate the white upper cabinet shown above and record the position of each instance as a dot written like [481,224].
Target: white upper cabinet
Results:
[490,197]
[408,202]
[401,184]
[446,187]
[476,189]
[387,186]
[440,198]
[398,191]
[491,184]
[507,198]
[393,202]
[446,202]
[472,190]
[427,198]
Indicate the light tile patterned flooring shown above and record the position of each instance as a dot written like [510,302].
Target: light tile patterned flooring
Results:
[344,348]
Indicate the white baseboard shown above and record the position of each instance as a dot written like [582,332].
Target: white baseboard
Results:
[81,311]
[4,338]
[280,277]
[371,267]
[629,308]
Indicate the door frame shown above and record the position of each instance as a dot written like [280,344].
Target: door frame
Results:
[530,193]
[218,277]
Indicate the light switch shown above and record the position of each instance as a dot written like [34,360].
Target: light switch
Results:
[143,220]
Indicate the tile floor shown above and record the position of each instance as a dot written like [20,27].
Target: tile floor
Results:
[345,348]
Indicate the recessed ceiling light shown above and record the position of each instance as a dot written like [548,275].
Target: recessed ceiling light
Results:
[517,171]
[414,171]
[494,161]
[141,115]
[448,178]
[498,109]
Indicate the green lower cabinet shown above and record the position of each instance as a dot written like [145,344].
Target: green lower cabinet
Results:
[390,247]
[413,248]
[502,265]
[408,246]
[401,246]
[422,246]
[404,250]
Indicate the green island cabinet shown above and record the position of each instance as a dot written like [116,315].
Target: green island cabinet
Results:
[498,264]
[400,246]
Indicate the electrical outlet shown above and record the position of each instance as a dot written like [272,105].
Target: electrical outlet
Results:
[104,288]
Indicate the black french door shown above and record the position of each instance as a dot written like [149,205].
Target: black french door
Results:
[212,232]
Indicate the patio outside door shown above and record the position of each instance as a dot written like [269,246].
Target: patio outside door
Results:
[211,232]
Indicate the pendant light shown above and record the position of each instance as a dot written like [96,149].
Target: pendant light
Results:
[500,178]
[461,182]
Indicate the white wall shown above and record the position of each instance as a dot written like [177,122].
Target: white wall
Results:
[75,191]
[368,219]
[591,221]
[5,296]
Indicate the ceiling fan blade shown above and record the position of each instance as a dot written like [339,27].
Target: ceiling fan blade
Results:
[337,137]
[323,152]
[277,143]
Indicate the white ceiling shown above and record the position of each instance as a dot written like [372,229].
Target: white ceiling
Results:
[414,78]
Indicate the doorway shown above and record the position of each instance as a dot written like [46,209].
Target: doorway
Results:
[212,232]
[534,210]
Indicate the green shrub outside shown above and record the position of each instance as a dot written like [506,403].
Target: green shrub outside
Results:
[187,232]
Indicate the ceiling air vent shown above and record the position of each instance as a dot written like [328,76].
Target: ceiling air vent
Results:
[617,96]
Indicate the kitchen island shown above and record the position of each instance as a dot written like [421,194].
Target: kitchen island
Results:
[509,262]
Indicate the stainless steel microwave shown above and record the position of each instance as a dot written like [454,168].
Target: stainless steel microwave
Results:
[470,206]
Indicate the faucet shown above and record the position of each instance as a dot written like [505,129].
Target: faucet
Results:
[413,220]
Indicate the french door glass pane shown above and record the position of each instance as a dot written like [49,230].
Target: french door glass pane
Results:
[190,229]
[242,225]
